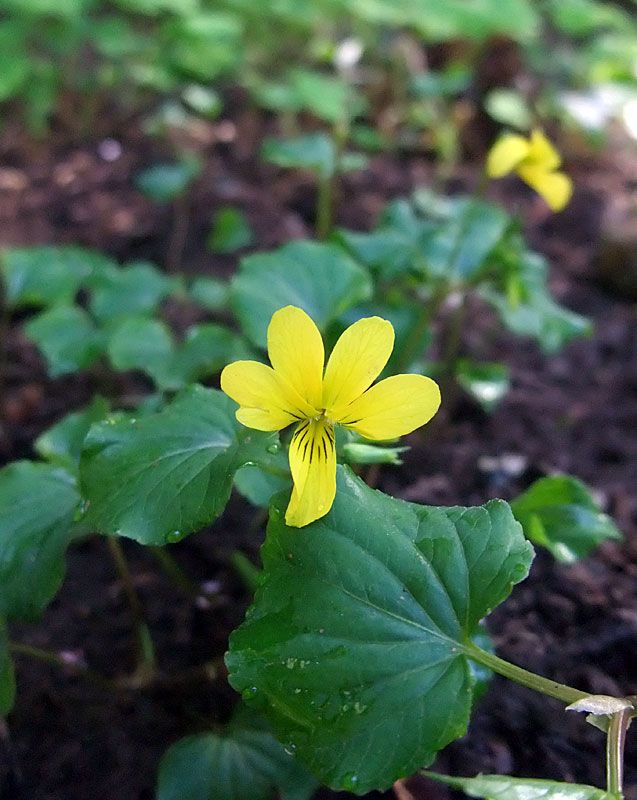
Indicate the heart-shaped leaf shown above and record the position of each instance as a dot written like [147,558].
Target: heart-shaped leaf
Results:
[560,513]
[230,231]
[356,645]
[129,291]
[243,763]
[313,151]
[319,278]
[48,275]
[67,337]
[159,477]
[140,343]
[62,444]
[37,507]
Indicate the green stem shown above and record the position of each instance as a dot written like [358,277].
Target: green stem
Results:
[56,660]
[210,671]
[538,683]
[428,311]
[455,336]
[615,740]
[145,648]
[176,573]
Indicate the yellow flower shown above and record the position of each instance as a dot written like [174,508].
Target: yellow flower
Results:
[536,161]
[294,390]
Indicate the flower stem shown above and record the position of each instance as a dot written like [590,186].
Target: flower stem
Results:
[615,740]
[538,683]
[145,648]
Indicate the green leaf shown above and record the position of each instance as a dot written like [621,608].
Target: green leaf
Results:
[43,276]
[155,7]
[274,95]
[486,382]
[586,17]
[358,631]
[205,44]
[37,508]
[62,443]
[560,513]
[438,20]
[7,674]
[319,278]
[509,107]
[160,477]
[67,337]
[314,151]
[453,80]
[503,787]
[243,763]
[210,293]
[461,247]
[327,97]
[258,483]
[529,310]
[164,182]
[230,231]
[141,344]
[205,351]
[203,100]
[134,290]
[396,247]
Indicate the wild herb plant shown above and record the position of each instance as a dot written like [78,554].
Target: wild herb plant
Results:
[364,647]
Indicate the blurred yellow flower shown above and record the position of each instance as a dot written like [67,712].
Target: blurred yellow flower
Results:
[296,390]
[536,161]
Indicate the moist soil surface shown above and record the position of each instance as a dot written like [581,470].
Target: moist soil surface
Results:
[575,412]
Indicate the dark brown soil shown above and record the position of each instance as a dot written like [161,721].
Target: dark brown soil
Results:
[576,412]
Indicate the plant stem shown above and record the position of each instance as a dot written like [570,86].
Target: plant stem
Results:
[145,649]
[615,740]
[176,573]
[57,660]
[538,683]
[209,671]
[428,311]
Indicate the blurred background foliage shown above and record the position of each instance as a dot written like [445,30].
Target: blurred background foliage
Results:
[66,62]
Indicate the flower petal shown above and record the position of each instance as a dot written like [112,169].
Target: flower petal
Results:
[555,187]
[393,407]
[313,467]
[542,153]
[296,352]
[265,401]
[356,361]
[506,154]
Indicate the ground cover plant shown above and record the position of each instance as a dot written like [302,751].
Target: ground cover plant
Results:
[226,438]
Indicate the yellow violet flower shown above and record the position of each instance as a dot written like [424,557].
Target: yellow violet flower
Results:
[296,390]
[536,161]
